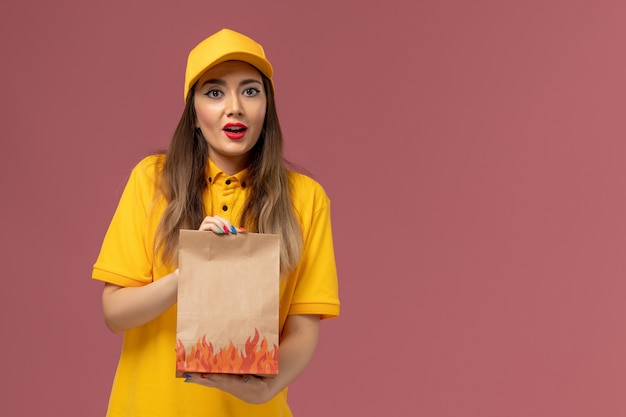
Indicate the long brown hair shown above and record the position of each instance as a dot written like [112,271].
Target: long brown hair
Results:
[268,209]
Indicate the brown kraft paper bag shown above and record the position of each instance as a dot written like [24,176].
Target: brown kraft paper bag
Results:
[227,312]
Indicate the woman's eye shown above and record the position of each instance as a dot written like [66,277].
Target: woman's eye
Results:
[214,93]
[251,92]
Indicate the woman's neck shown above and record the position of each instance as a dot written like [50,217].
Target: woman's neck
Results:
[230,165]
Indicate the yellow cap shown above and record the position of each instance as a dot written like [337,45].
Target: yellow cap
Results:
[225,45]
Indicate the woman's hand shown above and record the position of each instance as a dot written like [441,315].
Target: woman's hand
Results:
[249,388]
[297,345]
[219,225]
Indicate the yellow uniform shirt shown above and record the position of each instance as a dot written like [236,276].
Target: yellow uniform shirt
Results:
[145,384]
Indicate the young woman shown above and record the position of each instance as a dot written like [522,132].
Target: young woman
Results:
[223,172]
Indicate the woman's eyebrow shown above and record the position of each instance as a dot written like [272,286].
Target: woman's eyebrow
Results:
[250,81]
[214,81]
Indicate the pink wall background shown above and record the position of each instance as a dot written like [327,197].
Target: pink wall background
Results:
[474,153]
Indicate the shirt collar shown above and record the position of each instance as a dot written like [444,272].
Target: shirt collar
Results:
[215,174]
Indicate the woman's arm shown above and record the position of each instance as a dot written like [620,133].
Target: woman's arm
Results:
[297,346]
[125,308]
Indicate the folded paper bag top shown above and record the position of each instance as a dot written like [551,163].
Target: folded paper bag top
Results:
[227,310]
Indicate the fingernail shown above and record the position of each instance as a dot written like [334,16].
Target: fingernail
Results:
[219,231]
[241,229]
[203,376]
[187,376]
[225,229]
[232,229]
[186,380]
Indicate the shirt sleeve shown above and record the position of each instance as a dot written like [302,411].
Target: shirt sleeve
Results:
[127,254]
[316,290]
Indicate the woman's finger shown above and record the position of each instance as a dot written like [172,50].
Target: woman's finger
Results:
[217,225]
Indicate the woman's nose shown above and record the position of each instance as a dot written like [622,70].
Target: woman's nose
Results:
[233,106]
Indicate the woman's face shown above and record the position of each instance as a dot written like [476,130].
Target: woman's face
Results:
[230,104]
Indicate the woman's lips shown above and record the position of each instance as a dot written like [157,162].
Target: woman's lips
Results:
[235,131]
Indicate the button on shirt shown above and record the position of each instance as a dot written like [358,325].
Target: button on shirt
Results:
[226,194]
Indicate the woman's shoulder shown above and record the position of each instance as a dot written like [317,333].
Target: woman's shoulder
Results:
[149,167]
[306,190]
[304,181]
